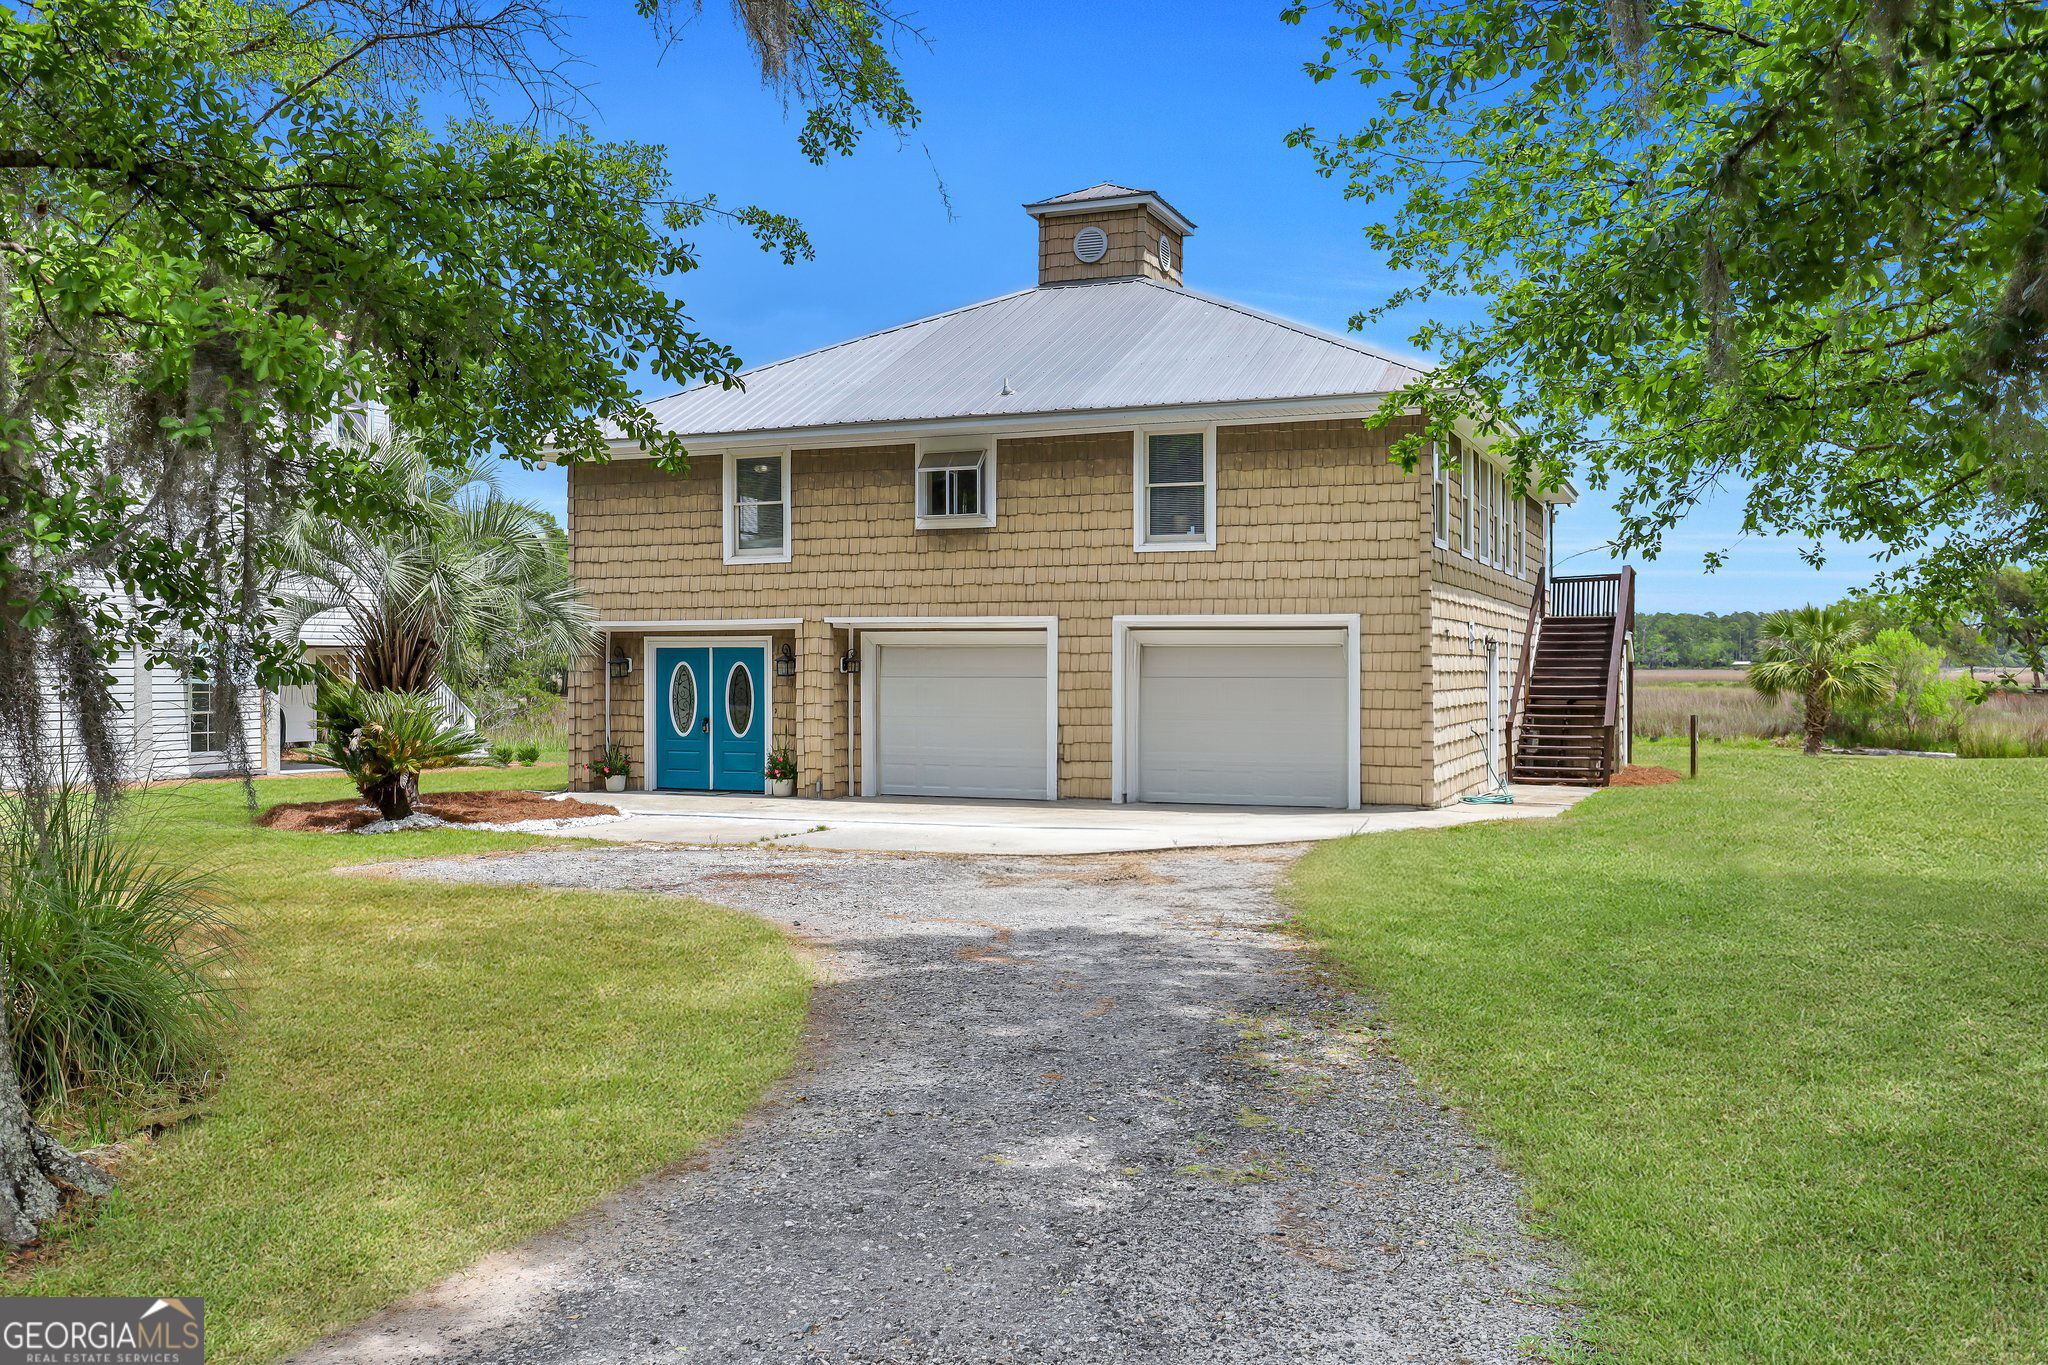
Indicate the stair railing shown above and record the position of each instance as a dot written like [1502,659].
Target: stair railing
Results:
[1535,623]
[1618,653]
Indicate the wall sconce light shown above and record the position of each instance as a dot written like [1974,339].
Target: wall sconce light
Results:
[849,662]
[620,665]
[785,662]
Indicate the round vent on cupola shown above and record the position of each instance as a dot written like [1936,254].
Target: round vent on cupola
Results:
[1089,244]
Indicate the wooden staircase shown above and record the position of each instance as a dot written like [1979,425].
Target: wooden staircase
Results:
[1569,720]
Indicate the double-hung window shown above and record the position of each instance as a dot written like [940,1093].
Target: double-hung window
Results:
[955,488]
[1468,484]
[757,508]
[202,727]
[1176,487]
[1439,497]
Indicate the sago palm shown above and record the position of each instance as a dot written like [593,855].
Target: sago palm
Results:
[459,562]
[1822,656]
[383,741]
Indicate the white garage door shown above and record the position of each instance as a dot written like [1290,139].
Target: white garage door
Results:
[1250,724]
[961,720]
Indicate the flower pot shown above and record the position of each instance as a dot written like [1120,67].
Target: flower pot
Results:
[615,783]
[785,786]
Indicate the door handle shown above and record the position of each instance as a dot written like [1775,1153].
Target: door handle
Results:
[707,725]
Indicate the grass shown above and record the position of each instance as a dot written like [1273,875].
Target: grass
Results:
[2007,725]
[425,1073]
[1770,1049]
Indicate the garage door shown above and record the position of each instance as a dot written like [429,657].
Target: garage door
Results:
[961,720]
[1250,724]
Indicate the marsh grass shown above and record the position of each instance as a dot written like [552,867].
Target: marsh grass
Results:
[2007,725]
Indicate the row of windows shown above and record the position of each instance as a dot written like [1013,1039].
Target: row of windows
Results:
[1496,529]
[1174,472]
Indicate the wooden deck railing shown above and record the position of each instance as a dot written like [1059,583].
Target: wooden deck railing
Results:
[1587,594]
[1618,677]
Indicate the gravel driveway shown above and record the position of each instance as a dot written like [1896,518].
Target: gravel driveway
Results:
[1090,1109]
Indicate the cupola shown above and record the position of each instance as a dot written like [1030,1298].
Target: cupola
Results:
[1108,232]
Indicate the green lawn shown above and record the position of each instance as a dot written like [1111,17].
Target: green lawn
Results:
[1771,1049]
[425,1073]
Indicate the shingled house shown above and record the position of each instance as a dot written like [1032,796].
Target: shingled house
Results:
[1104,538]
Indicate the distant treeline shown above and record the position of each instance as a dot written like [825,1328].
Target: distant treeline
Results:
[1689,639]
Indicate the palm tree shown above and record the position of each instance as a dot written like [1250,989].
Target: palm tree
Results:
[1822,655]
[459,563]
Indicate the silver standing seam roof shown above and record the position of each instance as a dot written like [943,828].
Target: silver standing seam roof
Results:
[1103,345]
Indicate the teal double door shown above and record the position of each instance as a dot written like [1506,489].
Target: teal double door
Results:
[710,717]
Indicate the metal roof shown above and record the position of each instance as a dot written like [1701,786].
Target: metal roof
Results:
[1105,345]
[1108,195]
[1105,190]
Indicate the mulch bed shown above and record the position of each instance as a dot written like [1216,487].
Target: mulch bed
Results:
[462,808]
[1642,775]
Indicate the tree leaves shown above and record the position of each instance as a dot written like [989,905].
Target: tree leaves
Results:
[1794,247]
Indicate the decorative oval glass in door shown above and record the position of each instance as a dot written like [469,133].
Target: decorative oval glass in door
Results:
[739,700]
[682,698]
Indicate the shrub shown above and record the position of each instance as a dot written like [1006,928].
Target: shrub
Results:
[383,741]
[502,755]
[529,754]
[117,965]
[781,765]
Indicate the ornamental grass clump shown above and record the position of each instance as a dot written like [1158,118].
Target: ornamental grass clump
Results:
[383,741]
[118,968]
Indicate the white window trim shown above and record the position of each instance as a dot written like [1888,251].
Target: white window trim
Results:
[1469,486]
[728,494]
[1439,498]
[191,713]
[985,446]
[1141,491]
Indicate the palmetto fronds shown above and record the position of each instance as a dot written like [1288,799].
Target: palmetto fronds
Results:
[457,560]
[1823,656]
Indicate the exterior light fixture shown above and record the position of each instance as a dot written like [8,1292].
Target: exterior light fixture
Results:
[849,662]
[785,662]
[620,665]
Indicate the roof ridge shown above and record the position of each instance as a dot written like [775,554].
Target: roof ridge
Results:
[850,341]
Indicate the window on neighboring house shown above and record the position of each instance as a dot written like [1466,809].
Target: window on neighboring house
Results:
[202,728]
[1439,498]
[1178,490]
[1521,537]
[757,511]
[954,488]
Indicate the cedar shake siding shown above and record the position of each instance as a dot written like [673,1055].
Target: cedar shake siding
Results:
[1311,518]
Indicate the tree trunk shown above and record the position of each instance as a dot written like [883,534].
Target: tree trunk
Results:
[393,796]
[1816,721]
[35,1168]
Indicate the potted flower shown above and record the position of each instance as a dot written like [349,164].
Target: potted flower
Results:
[614,767]
[782,771]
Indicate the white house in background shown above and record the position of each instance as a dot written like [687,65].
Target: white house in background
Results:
[166,727]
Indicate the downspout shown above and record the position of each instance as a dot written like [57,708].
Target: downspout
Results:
[605,662]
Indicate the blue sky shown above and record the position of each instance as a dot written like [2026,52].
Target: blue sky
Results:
[1025,101]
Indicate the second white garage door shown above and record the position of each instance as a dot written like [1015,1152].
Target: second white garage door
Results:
[1243,724]
[961,720]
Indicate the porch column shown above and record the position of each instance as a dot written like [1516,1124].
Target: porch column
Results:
[821,736]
